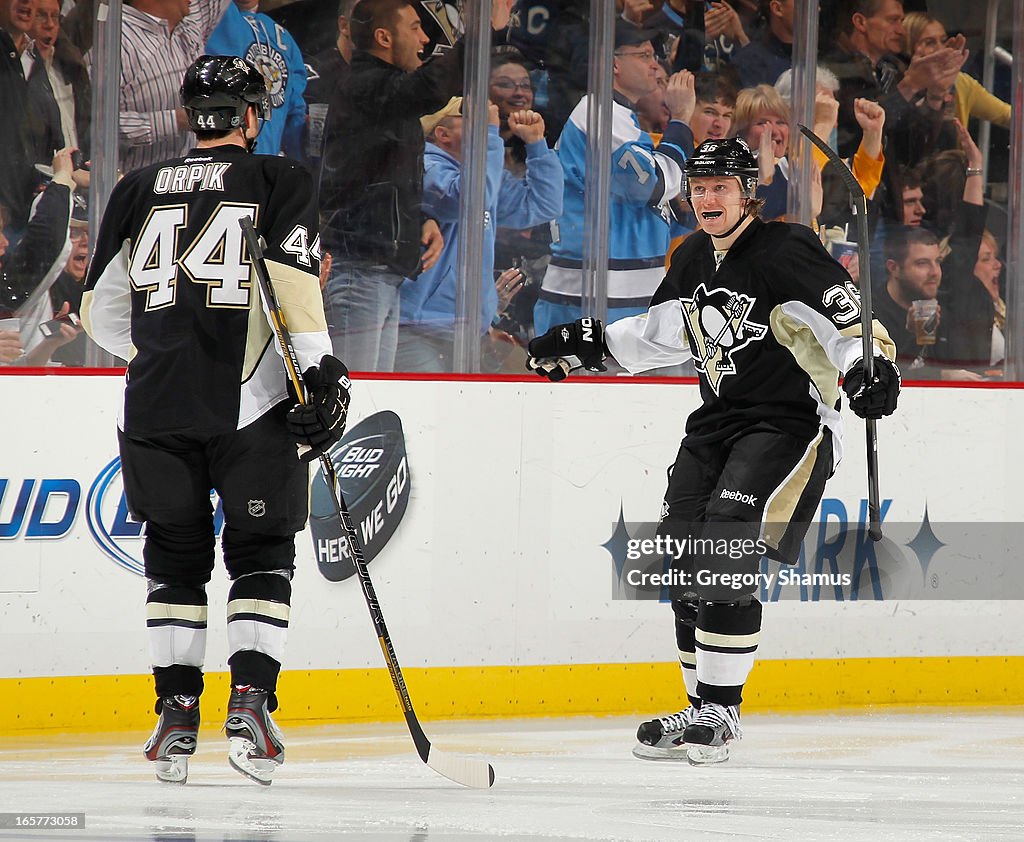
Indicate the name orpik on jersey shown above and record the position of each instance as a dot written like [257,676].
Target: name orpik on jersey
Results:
[719,326]
[187,177]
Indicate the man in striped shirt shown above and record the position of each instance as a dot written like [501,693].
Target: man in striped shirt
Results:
[160,39]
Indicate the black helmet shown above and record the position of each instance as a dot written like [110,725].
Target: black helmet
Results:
[723,157]
[442,23]
[217,91]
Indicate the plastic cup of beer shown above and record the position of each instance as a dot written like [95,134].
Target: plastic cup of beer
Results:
[924,314]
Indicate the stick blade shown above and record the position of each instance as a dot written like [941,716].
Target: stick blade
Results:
[468,771]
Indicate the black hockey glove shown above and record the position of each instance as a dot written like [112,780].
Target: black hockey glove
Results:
[875,399]
[320,422]
[568,347]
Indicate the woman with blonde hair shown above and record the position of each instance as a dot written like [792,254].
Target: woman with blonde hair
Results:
[761,118]
[924,34]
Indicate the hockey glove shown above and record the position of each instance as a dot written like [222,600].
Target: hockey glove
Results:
[320,422]
[878,398]
[568,347]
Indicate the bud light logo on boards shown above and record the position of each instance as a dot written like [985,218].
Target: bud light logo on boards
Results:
[117,535]
[373,474]
[38,508]
[110,525]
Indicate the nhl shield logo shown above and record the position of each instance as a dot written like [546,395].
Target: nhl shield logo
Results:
[257,508]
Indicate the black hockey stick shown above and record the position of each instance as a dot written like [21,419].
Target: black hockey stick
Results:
[860,208]
[463,770]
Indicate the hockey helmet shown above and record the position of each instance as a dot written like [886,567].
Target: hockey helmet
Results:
[217,91]
[442,23]
[731,156]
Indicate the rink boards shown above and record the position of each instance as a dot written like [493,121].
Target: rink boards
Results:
[497,581]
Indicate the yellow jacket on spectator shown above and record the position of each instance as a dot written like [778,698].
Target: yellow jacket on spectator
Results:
[971,99]
[867,170]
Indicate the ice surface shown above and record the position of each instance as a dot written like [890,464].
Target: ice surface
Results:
[915,775]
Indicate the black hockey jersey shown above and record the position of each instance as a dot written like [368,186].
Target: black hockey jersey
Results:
[770,325]
[171,288]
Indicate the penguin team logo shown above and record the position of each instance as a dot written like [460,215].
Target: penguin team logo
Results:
[272,65]
[719,326]
[443,23]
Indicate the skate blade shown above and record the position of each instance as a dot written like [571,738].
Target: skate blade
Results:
[172,770]
[707,755]
[646,752]
[258,769]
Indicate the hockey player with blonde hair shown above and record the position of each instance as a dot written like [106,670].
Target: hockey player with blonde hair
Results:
[771,321]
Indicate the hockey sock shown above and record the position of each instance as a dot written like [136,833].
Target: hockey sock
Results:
[176,624]
[686,620]
[258,612]
[727,634]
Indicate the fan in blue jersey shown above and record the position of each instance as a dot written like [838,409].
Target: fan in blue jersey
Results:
[427,314]
[247,32]
[643,181]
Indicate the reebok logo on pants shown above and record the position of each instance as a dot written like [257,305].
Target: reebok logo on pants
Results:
[739,497]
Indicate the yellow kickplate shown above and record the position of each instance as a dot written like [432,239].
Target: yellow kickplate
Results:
[125,702]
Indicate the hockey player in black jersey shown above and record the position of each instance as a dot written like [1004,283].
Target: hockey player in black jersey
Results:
[770,320]
[171,290]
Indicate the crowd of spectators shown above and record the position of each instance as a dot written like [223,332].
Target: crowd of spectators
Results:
[368,94]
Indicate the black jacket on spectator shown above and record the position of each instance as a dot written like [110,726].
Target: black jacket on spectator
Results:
[43,132]
[310,22]
[66,288]
[911,132]
[763,60]
[916,362]
[68,59]
[964,296]
[970,336]
[15,171]
[36,255]
[371,185]
[325,72]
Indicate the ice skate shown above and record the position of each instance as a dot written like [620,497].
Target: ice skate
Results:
[174,738]
[709,735]
[662,738]
[255,746]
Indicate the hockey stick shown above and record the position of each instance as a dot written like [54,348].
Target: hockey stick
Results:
[466,771]
[860,208]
